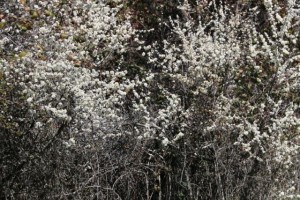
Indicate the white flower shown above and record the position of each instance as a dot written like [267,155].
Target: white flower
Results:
[165,141]
[72,141]
[178,136]
[29,100]
[44,30]
[285,51]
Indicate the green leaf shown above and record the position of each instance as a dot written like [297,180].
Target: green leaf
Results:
[22,54]
[34,14]
[2,25]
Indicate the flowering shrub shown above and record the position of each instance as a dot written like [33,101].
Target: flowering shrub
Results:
[245,75]
[96,105]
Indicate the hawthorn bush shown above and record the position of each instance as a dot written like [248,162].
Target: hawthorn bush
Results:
[116,99]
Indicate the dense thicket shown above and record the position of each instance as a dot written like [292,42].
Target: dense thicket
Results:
[141,99]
